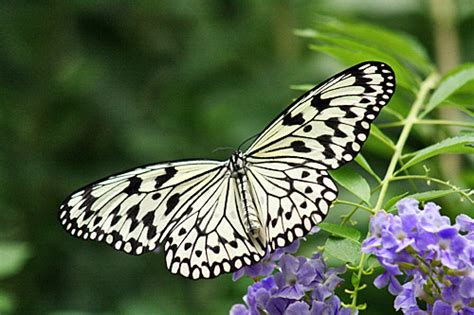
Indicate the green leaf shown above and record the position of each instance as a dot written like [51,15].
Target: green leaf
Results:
[372,262]
[392,201]
[451,82]
[355,280]
[351,52]
[375,131]
[13,256]
[341,230]
[301,87]
[353,182]
[366,166]
[431,194]
[461,144]
[401,45]
[343,249]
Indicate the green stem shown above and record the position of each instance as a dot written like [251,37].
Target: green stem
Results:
[357,205]
[425,87]
[357,287]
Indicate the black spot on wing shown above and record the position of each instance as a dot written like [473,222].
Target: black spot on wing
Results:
[307,128]
[289,120]
[299,146]
[148,222]
[133,185]
[171,203]
[169,173]
[319,103]
[132,212]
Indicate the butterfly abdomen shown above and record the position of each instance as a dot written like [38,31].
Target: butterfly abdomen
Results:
[250,215]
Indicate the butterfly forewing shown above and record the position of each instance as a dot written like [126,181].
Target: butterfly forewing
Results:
[135,210]
[329,123]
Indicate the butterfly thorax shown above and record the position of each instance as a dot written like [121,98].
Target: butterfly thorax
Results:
[238,171]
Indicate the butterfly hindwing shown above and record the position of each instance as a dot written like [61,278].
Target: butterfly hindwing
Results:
[293,198]
[212,239]
[329,123]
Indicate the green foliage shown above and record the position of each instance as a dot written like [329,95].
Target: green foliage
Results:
[353,182]
[341,231]
[344,249]
[451,83]
[461,144]
[352,42]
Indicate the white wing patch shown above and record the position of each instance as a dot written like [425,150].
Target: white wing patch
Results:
[200,213]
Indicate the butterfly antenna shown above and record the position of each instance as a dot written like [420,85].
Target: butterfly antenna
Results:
[222,149]
[247,140]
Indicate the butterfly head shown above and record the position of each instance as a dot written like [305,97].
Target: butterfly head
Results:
[237,163]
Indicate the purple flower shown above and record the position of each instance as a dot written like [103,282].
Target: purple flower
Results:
[268,264]
[287,291]
[435,257]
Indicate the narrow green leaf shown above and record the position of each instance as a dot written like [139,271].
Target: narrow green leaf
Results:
[366,166]
[375,131]
[431,194]
[301,87]
[392,201]
[353,182]
[343,249]
[351,52]
[13,255]
[461,144]
[355,280]
[451,82]
[341,231]
[402,45]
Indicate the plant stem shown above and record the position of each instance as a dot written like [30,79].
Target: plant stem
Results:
[425,87]
[357,205]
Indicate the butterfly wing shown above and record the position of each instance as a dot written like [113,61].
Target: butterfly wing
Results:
[292,198]
[212,239]
[135,210]
[329,123]
[190,206]
[322,130]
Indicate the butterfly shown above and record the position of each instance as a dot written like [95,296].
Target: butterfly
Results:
[216,217]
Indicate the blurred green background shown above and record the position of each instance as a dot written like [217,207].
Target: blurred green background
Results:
[88,88]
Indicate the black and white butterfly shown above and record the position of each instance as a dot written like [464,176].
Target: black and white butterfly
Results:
[215,217]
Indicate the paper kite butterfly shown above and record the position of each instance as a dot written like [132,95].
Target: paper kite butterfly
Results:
[215,217]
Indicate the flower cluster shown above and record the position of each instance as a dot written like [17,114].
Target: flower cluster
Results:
[300,286]
[434,256]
